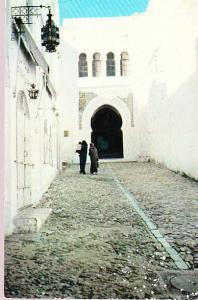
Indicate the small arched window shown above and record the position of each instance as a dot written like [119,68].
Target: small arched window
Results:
[124,64]
[110,64]
[96,65]
[82,65]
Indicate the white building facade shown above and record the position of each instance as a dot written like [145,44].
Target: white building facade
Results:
[154,104]
[32,139]
[169,99]
[104,104]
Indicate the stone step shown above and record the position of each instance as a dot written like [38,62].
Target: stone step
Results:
[30,219]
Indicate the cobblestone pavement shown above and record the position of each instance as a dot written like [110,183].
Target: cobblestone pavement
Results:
[170,200]
[94,245]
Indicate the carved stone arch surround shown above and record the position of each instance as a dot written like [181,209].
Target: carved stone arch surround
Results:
[90,99]
[99,101]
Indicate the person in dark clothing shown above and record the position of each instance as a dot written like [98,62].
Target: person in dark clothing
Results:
[78,149]
[83,156]
[93,153]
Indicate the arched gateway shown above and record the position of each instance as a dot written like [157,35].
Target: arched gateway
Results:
[106,133]
[99,112]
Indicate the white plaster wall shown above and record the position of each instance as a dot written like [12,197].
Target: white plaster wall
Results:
[20,72]
[69,101]
[101,35]
[15,68]
[42,173]
[168,126]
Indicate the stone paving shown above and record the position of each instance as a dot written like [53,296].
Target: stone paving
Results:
[170,200]
[94,245]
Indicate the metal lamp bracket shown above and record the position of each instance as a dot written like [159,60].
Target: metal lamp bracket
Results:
[25,12]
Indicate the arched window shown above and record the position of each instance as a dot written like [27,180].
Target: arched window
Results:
[110,64]
[96,65]
[82,65]
[124,64]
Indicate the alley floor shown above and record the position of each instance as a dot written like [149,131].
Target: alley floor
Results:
[130,232]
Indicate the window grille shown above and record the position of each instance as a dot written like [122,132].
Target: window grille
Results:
[82,65]
[110,64]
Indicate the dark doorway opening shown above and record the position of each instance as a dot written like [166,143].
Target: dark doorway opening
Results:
[107,136]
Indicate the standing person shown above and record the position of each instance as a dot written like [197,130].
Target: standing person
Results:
[83,156]
[78,149]
[93,153]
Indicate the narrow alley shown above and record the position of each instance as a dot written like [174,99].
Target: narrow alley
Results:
[110,236]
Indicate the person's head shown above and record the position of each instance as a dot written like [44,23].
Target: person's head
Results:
[79,142]
[84,142]
[92,145]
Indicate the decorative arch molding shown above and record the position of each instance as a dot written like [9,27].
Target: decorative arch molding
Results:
[107,106]
[85,98]
[100,101]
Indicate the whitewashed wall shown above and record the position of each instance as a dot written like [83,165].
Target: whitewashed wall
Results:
[69,101]
[167,85]
[21,71]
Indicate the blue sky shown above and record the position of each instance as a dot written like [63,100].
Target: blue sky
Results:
[100,8]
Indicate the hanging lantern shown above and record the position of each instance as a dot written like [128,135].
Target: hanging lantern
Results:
[50,34]
[33,92]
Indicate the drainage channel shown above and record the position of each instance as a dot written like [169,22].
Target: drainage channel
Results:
[179,262]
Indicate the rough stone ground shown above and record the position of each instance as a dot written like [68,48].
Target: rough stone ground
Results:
[94,245]
[169,199]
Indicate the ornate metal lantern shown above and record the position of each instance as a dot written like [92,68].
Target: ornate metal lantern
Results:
[33,92]
[50,34]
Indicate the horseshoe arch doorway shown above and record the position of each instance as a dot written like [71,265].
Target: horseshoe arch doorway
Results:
[106,133]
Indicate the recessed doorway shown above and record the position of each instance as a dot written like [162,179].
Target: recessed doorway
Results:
[106,133]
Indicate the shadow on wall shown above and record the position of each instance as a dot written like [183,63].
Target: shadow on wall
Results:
[170,125]
[150,117]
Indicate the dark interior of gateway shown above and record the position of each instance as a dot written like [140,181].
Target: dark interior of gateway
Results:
[106,134]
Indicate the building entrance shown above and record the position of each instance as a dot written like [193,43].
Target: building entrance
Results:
[107,135]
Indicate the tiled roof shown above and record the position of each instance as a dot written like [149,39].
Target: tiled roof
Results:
[100,8]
